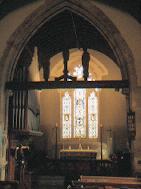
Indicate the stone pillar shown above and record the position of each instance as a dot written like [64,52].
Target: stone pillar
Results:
[136,145]
[2,167]
[3,147]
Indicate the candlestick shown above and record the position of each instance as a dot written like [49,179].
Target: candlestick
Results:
[101,140]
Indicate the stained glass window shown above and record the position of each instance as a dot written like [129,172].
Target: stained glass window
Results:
[82,122]
[66,110]
[80,113]
[92,116]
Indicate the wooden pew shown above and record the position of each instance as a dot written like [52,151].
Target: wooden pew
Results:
[9,184]
[91,182]
[47,182]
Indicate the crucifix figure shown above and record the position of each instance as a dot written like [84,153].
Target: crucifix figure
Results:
[85,63]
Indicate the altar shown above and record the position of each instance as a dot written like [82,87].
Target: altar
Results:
[78,154]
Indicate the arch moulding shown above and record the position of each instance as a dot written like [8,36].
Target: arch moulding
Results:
[44,13]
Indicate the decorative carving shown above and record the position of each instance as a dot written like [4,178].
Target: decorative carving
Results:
[20,162]
[44,61]
[85,63]
[66,58]
[65,76]
[131,125]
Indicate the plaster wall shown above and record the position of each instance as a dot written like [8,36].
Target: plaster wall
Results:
[10,22]
[130,30]
[49,116]
[33,108]
[112,115]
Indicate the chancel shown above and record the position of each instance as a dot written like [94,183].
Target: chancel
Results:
[70,97]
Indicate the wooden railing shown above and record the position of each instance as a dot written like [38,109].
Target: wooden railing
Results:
[71,167]
[106,182]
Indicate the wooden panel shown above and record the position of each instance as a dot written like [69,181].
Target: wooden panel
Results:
[68,84]
[78,154]
[110,181]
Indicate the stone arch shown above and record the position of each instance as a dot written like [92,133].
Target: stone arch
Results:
[33,22]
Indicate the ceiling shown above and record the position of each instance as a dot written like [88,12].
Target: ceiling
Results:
[132,7]
[67,31]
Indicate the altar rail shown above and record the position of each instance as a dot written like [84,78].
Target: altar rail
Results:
[87,154]
[73,167]
[90,182]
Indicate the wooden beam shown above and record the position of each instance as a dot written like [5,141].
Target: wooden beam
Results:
[38,85]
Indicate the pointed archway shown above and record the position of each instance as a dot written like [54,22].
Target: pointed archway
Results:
[43,14]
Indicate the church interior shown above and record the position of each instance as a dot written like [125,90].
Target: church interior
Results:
[70,94]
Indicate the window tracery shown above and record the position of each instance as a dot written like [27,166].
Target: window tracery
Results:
[80,111]
[80,114]
[92,116]
[66,112]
